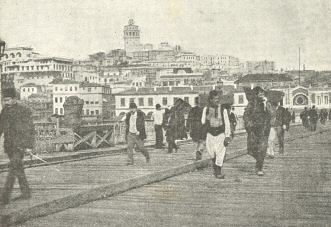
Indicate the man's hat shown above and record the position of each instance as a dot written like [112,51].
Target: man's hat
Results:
[132,105]
[157,106]
[9,93]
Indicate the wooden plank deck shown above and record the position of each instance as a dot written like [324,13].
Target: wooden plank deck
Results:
[296,191]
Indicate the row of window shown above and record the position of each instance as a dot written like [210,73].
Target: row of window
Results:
[28,89]
[87,112]
[92,112]
[66,88]
[132,33]
[320,99]
[150,101]
[92,102]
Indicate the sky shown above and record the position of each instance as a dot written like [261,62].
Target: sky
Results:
[247,29]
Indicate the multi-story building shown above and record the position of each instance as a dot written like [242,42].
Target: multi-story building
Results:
[27,90]
[85,73]
[180,77]
[98,100]
[221,62]
[22,65]
[147,98]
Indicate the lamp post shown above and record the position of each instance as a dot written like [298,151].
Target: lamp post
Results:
[2,50]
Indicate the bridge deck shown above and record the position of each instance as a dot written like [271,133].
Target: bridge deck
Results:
[295,190]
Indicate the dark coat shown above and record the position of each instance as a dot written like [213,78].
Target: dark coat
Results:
[194,124]
[17,126]
[257,125]
[175,126]
[280,117]
[140,124]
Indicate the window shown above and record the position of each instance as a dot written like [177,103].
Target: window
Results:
[56,111]
[326,99]
[61,100]
[61,111]
[150,101]
[96,102]
[186,99]
[97,112]
[55,88]
[70,88]
[89,89]
[313,98]
[87,112]
[164,101]
[87,102]
[92,102]
[141,101]
[240,99]
[32,89]
[23,89]
[75,88]
[318,100]
[92,112]
[66,88]
[56,100]
[122,101]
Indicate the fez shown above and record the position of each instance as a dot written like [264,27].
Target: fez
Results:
[132,105]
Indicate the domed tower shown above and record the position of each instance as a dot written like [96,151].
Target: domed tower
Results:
[131,35]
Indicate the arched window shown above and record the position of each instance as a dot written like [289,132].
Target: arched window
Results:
[18,55]
[12,55]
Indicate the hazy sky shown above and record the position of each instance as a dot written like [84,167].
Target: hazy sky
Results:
[248,29]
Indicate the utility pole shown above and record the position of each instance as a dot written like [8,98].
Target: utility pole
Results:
[299,68]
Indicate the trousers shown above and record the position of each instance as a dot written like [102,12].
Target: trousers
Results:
[275,133]
[16,169]
[215,147]
[158,136]
[133,140]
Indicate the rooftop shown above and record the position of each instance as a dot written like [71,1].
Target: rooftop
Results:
[264,78]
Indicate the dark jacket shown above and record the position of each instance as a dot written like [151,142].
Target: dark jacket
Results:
[17,126]
[194,124]
[279,117]
[140,124]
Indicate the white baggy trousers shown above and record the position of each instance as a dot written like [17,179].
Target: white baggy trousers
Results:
[215,147]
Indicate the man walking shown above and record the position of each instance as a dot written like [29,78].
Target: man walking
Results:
[313,117]
[257,125]
[278,124]
[135,132]
[233,121]
[18,129]
[196,129]
[158,121]
[216,120]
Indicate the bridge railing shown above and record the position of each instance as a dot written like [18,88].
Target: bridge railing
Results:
[90,136]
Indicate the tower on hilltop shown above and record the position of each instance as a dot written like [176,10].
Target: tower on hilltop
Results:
[131,36]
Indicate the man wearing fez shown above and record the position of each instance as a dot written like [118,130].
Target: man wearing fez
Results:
[215,119]
[135,132]
[18,129]
[257,125]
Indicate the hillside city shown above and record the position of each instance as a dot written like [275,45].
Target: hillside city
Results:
[149,75]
